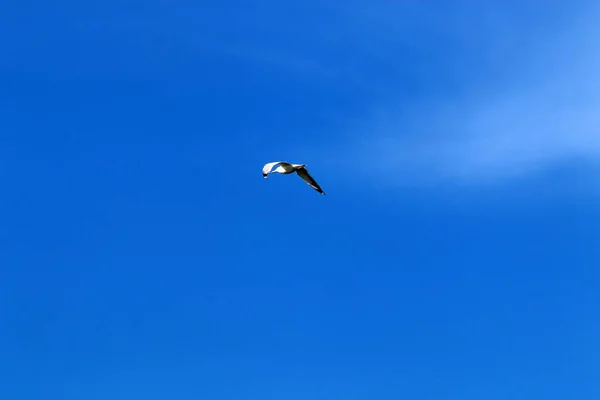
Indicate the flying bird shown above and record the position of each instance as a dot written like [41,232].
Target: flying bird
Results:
[287,168]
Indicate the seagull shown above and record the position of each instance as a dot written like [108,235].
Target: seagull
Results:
[287,168]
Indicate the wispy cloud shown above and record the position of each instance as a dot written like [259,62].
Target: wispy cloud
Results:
[460,92]
[532,111]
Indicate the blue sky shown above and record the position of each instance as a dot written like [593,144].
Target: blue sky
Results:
[455,256]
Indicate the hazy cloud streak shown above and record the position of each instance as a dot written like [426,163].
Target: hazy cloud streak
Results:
[544,113]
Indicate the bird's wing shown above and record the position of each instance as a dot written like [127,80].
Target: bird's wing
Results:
[309,179]
[269,166]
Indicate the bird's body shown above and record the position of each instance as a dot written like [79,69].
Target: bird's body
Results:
[282,168]
[285,168]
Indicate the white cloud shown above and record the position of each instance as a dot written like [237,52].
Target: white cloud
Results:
[543,113]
